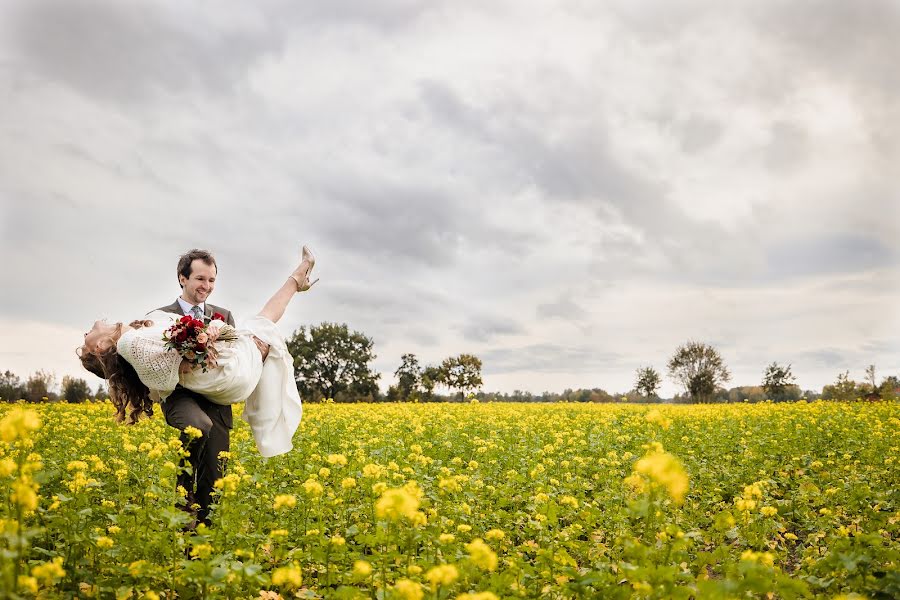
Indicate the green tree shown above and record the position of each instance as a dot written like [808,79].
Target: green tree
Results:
[331,361]
[38,386]
[699,369]
[889,388]
[75,390]
[409,376]
[843,388]
[462,372]
[778,381]
[11,388]
[647,381]
[431,377]
[101,393]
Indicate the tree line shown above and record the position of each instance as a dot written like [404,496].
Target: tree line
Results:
[700,371]
[332,361]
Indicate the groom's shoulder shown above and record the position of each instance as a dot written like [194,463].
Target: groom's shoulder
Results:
[224,312]
[171,308]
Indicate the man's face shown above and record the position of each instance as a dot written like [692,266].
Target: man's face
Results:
[198,287]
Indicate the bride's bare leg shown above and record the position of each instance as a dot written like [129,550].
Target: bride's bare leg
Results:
[274,308]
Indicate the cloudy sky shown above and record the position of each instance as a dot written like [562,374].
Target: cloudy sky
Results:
[568,190]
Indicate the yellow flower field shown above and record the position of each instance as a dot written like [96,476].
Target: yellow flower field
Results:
[464,501]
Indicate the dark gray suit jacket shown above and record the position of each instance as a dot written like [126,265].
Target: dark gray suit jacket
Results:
[209,310]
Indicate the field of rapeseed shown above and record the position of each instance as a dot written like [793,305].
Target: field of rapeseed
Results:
[464,501]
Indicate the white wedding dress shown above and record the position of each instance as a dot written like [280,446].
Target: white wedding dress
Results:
[273,408]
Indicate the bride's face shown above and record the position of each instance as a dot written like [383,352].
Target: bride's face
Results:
[100,337]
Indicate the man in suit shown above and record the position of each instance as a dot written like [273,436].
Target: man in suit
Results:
[183,408]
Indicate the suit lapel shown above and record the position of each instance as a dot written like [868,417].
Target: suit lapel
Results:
[174,308]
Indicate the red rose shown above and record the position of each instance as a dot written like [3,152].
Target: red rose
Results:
[187,319]
[218,316]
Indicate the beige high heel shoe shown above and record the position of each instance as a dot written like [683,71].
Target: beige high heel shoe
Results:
[304,284]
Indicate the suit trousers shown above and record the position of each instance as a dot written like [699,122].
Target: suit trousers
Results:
[182,409]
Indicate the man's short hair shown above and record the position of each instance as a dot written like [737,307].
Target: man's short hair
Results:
[188,258]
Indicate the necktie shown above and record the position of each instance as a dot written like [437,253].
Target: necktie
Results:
[196,313]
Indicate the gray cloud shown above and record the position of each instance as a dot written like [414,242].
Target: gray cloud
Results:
[788,148]
[135,52]
[699,133]
[484,328]
[563,308]
[551,358]
[816,254]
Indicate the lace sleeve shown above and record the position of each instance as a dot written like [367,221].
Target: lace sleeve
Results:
[156,366]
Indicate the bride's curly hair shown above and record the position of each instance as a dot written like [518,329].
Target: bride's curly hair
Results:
[128,394]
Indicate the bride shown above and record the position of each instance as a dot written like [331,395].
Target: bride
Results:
[253,365]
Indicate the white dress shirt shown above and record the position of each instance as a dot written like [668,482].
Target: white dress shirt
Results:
[187,306]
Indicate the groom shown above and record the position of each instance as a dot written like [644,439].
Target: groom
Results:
[184,408]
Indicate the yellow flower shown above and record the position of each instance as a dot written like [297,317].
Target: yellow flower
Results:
[446,538]
[362,569]
[765,558]
[104,542]
[24,493]
[478,596]
[482,555]
[395,504]
[337,540]
[372,471]
[48,572]
[228,484]
[28,584]
[441,575]
[654,416]
[666,471]
[312,488]
[348,483]
[768,511]
[744,504]
[150,595]
[569,501]
[284,501]
[289,577]
[7,467]
[18,423]
[337,459]
[408,590]
[192,432]
[136,568]
[324,472]
[201,551]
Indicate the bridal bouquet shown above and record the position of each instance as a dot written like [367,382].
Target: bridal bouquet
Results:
[194,339]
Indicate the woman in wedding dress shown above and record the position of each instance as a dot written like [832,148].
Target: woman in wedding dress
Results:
[253,366]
